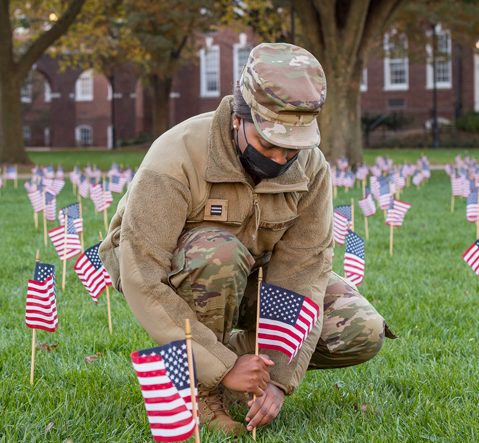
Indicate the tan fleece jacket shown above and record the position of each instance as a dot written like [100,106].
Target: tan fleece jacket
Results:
[288,218]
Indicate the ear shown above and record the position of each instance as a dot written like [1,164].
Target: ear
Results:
[236,121]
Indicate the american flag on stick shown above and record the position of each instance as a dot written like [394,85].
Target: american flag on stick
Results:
[37,201]
[163,375]
[471,256]
[286,318]
[92,273]
[385,195]
[472,207]
[50,205]
[354,258]
[116,183]
[69,248]
[41,308]
[367,205]
[396,212]
[83,186]
[10,173]
[341,222]
[73,211]
[101,196]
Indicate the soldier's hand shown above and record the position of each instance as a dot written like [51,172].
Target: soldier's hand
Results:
[266,408]
[249,374]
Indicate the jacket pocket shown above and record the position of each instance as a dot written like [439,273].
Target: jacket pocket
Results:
[277,225]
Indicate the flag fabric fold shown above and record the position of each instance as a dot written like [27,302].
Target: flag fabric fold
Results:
[92,273]
[342,216]
[396,212]
[69,247]
[354,258]
[163,375]
[41,307]
[286,319]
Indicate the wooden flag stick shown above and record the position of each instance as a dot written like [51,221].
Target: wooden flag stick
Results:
[64,271]
[391,238]
[335,191]
[452,203]
[105,218]
[44,220]
[32,364]
[352,214]
[191,370]
[366,229]
[35,220]
[477,228]
[110,327]
[15,182]
[364,187]
[256,345]
[81,216]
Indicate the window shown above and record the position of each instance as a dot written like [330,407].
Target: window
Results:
[26,91]
[396,103]
[443,60]
[46,136]
[84,87]
[84,135]
[47,92]
[396,62]
[27,133]
[240,57]
[210,71]
[363,86]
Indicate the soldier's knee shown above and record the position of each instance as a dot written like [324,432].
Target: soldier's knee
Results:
[372,339]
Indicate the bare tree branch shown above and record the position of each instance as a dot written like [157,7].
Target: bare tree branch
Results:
[354,28]
[327,11]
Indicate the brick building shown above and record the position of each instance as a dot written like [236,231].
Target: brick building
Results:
[74,108]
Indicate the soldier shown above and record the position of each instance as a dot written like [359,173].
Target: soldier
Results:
[217,197]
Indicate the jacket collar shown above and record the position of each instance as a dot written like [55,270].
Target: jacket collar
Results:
[223,164]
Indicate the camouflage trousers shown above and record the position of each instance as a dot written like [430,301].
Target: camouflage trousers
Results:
[212,272]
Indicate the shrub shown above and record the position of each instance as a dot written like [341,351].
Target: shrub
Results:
[468,122]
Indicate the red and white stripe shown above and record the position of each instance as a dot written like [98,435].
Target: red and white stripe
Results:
[471,257]
[340,227]
[169,410]
[93,279]
[37,201]
[65,249]
[354,268]
[395,215]
[367,205]
[41,308]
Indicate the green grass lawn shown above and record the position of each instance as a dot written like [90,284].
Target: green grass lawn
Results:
[422,387]
[130,157]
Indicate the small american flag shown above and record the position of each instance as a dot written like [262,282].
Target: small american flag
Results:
[286,318]
[36,199]
[49,172]
[50,206]
[41,307]
[116,183]
[69,248]
[471,256]
[354,259]
[472,208]
[396,212]
[341,222]
[60,173]
[374,185]
[385,195]
[83,186]
[72,211]
[57,185]
[163,375]
[92,273]
[75,175]
[101,196]
[367,205]
[10,173]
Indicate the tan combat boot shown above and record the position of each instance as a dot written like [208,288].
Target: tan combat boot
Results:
[213,413]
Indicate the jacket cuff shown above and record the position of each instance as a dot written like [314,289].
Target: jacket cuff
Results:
[287,390]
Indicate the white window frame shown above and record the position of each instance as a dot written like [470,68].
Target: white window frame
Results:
[204,92]
[388,86]
[440,33]
[78,135]
[109,92]
[237,68]
[26,91]
[47,92]
[476,82]
[363,85]
[84,87]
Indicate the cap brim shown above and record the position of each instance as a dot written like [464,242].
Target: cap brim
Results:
[286,136]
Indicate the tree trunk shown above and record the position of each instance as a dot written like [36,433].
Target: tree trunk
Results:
[12,149]
[340,121]
[161,89]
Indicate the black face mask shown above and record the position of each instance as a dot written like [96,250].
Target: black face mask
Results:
[257,165]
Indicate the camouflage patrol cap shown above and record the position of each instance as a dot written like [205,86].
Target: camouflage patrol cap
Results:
[285,87]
